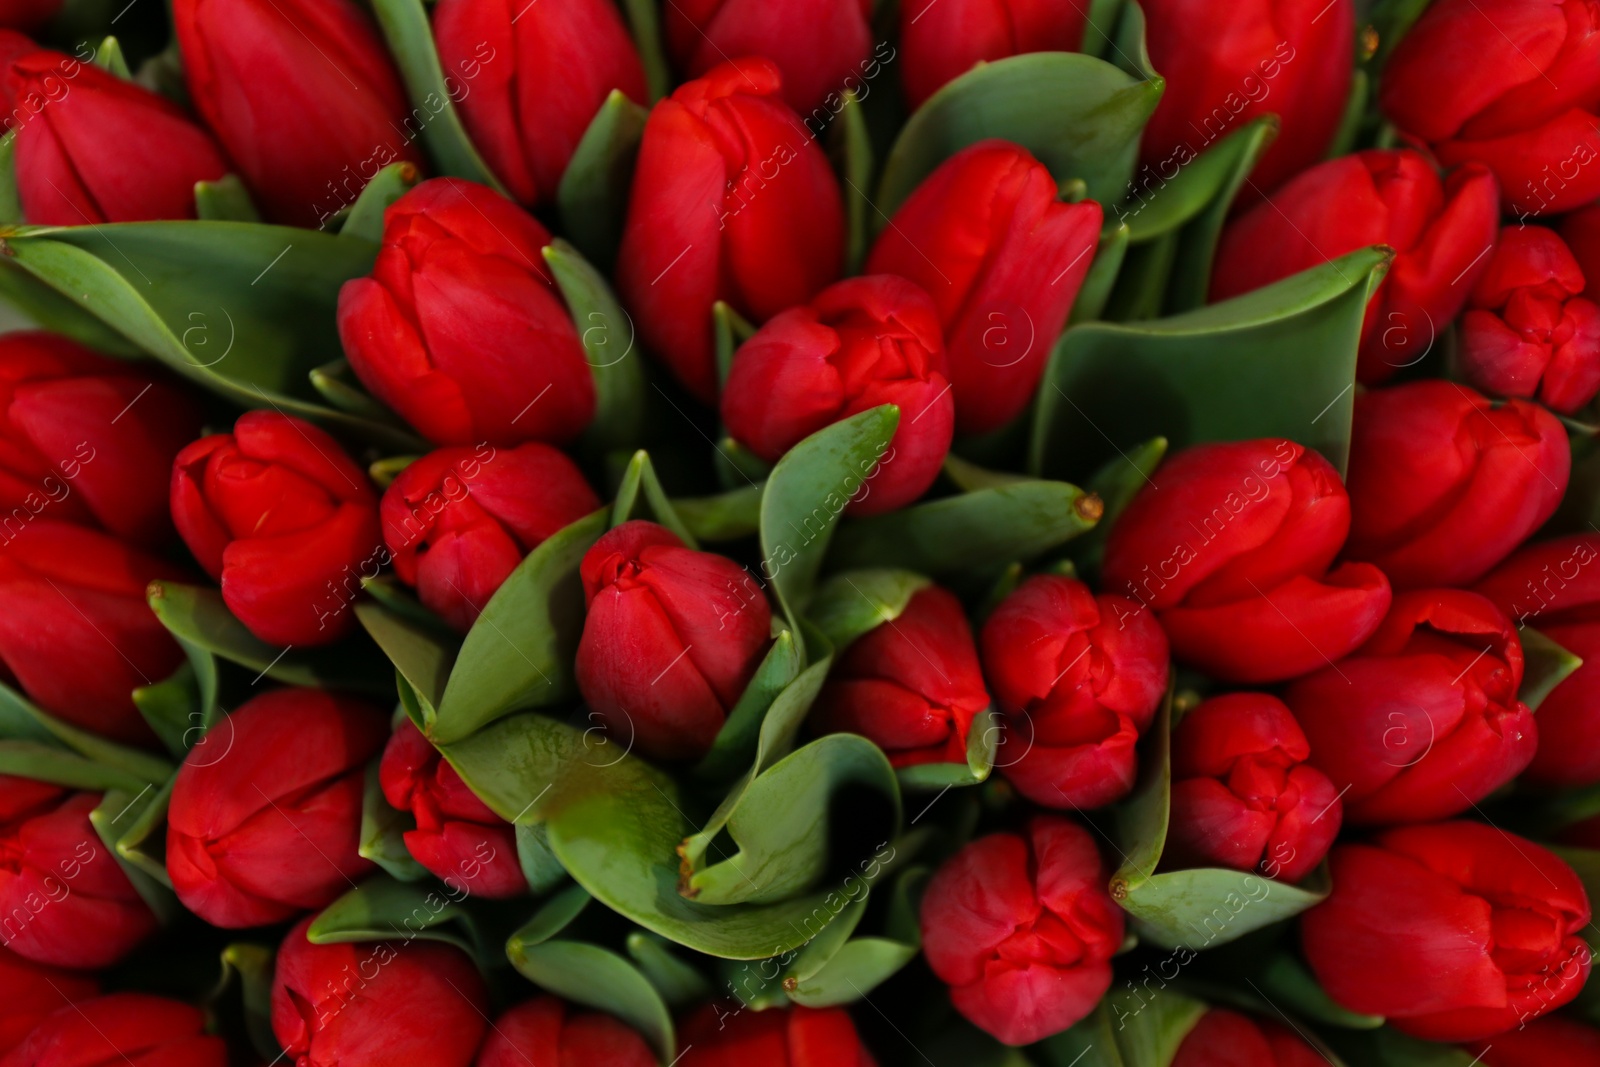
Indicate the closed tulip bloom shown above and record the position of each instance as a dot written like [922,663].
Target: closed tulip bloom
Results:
[303,96]
[1444,484]
[125,1030]
[941,40]
[535,78]
[458,839]
[284,520]
[64,899]
[987,237]
[1581,232]
[911,685]
[1438,230]
[459,520]
[30,991]
[862,342]
[1079,678]
[730,1036]
[1424,720]
[545,1032]
[1022,929]
[1243,795]
[1231,547]
[1453,931]
[1553,1041]
[412,1001]
[265,817]
[1224,1038]
[671,639]
[733,200]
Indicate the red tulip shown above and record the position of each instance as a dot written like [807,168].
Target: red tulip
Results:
[672,638]
[717,1036]
[29,992]
[77,633]
[1003,258]
[545,1032]
[860,343]
[1581,231]
[1443,485]
[531,79]
[943,39]
[1454,931]
[1440,232]
[284,519]
[1553,1041]
[459,520]
[121,1030]
[28,14]
[1511,84]
[1231,545]
[911,685]
[64,899]
[1023,930]
[458,839]
[1079,677]
[265,817]
[1224,1038]
[303,96]
[733,200]
[411,1001]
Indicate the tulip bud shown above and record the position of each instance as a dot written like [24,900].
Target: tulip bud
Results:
[1453,931]
[461,329]
[545,1032]
[1243,795]
[87,440]
[29,992]
[911,685]
[1507,83]
[303,96]
[534,78]
[1581,232]
[65,174]
[1224,1038]
[942,40]
[123,1028]
[719,1036]
[672,638]
[76,632]
[459,520]
[1002,257]
[1022,929]
[64,899]
[1231,545]
[458,839]
[1443,484]
[1439,232]
[860,343]
[265,817]
[1552,1040]
[27,14]
[411,1001]
[284,520]
[1079,677]
[752,217]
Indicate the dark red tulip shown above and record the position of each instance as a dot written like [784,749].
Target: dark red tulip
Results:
[941,40]
[545,1032]
[1440,232]
[28,14]
[528,80]
[121,1030]
[461,328]
[1553,1041]
[265,817]
[1022,929]
[1079,678]
[986,235]
[458,839]
[731,1036]
[1231,546]
[733,200]
[284,520]
[29,992]
[911,685]
[860,343]
[1453,931]
[1444,484]
[672,638]
[459,520]
[1581,231]
[1224,1038]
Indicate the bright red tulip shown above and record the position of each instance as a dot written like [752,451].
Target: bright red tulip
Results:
[860,343]
[1440,232]
[459,520]
[1022,929]
[717,1036]
[28,14]
[1079,678]
[986,235]
[1553,1041]
[1443,485]
[1224,1038]
[121,1030]
[1453,931]
[1581,231]
[733,200]
[545,1032]
[941,40]
[29,992]
[1231,547]
[285,520]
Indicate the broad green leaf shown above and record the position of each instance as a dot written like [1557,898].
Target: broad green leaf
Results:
[1141,288]
[383,909]
[539,865]
[224,200]
[724,517]
[172,708]
[640,496]
[1197,242]
[393,596]
[1174,191]
[969,477]
[10,195]
[252,966]
[383,830]
[609,346]
[1148,1032]
[735,744]
[136,825]
[119,809]
[859,967]
[593,194]
[23,720]
[1098,284]
[422,656]
[680,985]
[849,604]
[1546,665]
[365,220]
[46,762]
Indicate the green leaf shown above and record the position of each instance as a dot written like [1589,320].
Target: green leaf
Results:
[365,220]
[112,820]
[1116,484]
[385,471]
[1197,242]
[382,909]
[1148,1033]
[539,865]
[680,985]
[1293,986]
[136,828]
[850,604]
[736,743]
[852,152]
[252,966]
[1141,287]
[383,830]
[593,195]
[724,517]
[172,708]
[1545,666]
[419,654]
[1098,284]
[10,195]
[48,763]
[1390,1048]
[224,200]
[729,330]
[983,741]
[336,383]
[1091,1042]
[643,20]
[23,720]
[394,597]
[640,477]
[1175,191]
[609,345]
[1355,114]
[109,58]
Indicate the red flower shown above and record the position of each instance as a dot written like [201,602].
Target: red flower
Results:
[1553,1041]
[943,39]
[29,992]
[123,1028]
[1224,1038]
[717,1036]
[545,1032]
[1581,231]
